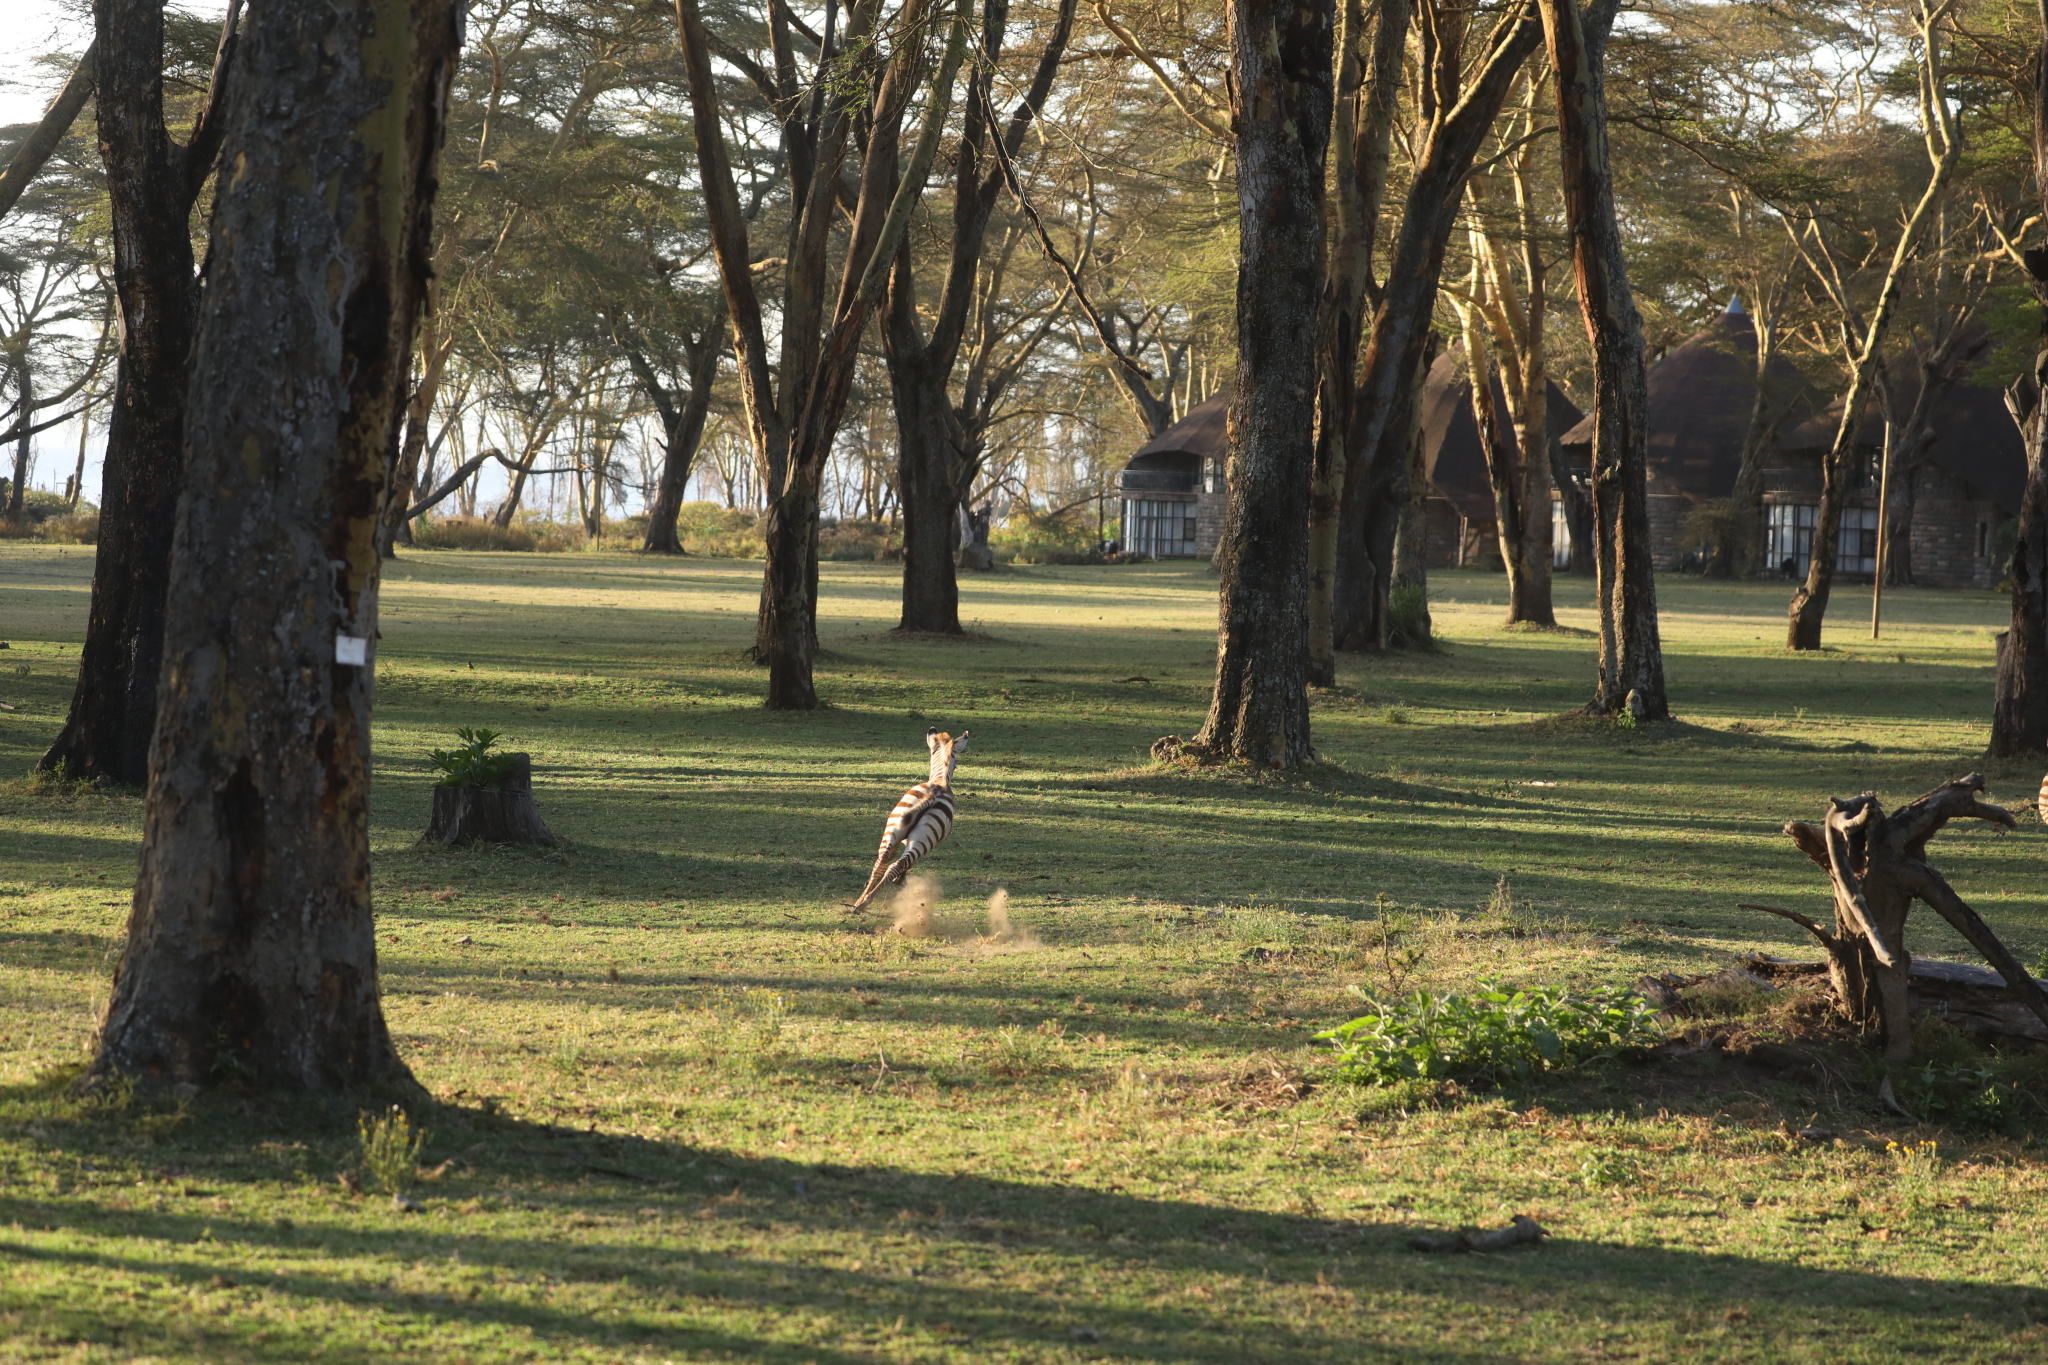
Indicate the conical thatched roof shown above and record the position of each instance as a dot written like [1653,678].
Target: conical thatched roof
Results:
[1452,456]
[1700,397]
[1975,439]
[1201,433]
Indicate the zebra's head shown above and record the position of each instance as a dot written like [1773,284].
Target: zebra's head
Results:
[946,750]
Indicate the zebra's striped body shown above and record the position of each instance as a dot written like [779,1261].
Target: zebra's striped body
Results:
[922,819]
[2041,807]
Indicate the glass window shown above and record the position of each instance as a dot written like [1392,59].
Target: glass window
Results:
[1159,528]
[1790,540]
[1856,551]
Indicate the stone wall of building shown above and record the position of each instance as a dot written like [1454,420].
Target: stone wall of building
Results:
[1952,534]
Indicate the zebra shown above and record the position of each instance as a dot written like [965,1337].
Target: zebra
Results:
[922,819]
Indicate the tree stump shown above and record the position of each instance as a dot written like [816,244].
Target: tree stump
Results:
[501,814]
[1877,866]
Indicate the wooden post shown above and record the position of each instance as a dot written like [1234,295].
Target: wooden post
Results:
[1884,503]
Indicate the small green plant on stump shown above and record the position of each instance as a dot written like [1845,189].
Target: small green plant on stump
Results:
[471,764]
[484,797]
[390,1150]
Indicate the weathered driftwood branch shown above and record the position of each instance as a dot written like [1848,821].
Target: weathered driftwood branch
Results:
[503,814]
[1877,866]
[1523,1229]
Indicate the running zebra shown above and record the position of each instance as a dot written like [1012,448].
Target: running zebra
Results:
[922,818]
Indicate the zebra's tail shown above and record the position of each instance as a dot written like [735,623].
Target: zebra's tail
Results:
[877,876]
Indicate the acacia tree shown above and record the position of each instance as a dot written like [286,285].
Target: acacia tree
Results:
[940,441]
[1453,116]
[796,396]
[1631,676]
[1282,95]
[152,185]
[1505,315]
[251,950]
[1864,336]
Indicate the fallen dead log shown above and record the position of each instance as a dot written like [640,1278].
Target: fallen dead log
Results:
[1877,867]
[1523,1229]
[1971,999]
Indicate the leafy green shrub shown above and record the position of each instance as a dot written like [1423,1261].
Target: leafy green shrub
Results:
[1493,1034]
[1968,1097]
[1068,536]
[390,1149]
[471,764]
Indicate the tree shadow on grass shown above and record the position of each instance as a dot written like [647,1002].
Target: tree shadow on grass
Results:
[574,1244]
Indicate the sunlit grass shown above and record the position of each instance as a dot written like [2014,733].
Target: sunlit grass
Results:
[693,1110]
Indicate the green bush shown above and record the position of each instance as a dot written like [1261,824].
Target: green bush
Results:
[1974,1097]
[471,533]
[859,542]
[1493,1034]
[1065,537]
[471,764]
[81,528]
[47,516]
[1408,617]
[390,1149]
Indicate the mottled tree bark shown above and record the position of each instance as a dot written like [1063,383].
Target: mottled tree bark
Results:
[1631,675]
[25,391]
[2019,705]
[2019,708]
[152,183]
[1282,98]
[251,954]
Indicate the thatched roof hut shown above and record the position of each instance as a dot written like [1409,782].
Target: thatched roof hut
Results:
[1701,395]
[1173,486]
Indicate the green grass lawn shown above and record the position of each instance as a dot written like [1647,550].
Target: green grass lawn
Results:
[690,1109]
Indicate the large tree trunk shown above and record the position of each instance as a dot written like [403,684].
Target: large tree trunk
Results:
[1375,471]
[928,465]
[1282,94]
[151,185]
[786,632]
[251,953]
[2019,706]
[1631,651]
